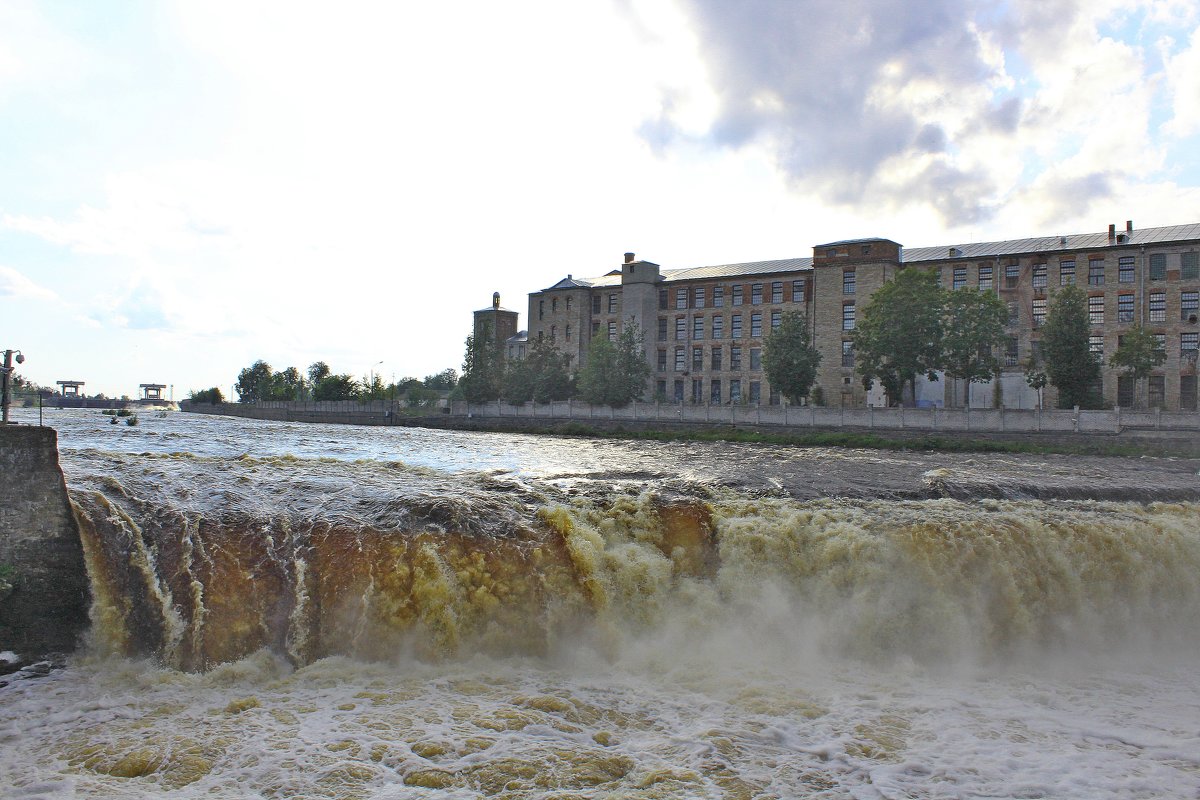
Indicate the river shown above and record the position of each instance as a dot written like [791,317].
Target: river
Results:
[308,611]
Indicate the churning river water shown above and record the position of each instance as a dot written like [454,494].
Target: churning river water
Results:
[308,611]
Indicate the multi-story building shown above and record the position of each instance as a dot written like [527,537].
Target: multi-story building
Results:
[704,326]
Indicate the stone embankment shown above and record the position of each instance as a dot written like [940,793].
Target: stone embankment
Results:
[44,591]
[1152,431]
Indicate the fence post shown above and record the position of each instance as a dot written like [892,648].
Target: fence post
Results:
[1002,426]
[871,417]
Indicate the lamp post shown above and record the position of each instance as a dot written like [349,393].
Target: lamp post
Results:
[6,381]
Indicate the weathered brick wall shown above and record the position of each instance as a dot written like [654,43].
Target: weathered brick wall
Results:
[44,608]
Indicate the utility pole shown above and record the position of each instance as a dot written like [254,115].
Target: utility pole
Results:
[6,382]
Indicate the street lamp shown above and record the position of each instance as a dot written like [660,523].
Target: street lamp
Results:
[5,381]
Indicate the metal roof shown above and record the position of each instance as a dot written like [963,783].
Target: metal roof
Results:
[1042,244]
[569,283]
[490,309]
[1010,247]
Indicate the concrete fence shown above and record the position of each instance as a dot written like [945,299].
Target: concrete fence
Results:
[916,419]
[949,420]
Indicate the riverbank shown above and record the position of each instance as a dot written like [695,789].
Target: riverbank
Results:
[1163,440]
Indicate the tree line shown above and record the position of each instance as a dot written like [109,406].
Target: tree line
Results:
[615,373]
[260,382]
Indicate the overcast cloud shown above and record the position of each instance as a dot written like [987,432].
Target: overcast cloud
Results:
[960,104]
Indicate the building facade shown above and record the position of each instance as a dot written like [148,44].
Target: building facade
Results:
[704,326]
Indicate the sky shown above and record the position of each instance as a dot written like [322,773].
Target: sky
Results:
[188,187]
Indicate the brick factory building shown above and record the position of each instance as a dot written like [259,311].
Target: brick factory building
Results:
[704,326]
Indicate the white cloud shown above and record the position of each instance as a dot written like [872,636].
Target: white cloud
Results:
[1183,77]
[14,284]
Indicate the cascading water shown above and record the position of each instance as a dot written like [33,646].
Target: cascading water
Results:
[267,624]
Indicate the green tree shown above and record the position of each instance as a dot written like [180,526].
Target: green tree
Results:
[317,372]
[1035,376]
[1070,366]
[212,396]
[972,329]
[898,335]
[616,372]
[543,376]
[287,384]
[789,357]
[373,388]
[255,382]
[336,387]
[446,379]
[1137,355]
[483,367]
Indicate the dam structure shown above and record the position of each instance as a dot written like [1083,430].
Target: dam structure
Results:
[291,609]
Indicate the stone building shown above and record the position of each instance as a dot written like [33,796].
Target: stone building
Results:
[500,324]
[704,326]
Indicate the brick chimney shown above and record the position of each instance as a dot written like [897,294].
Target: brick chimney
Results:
[629,258]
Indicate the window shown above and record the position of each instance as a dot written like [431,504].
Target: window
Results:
[716,359]
[595,304]
[960,278]
[612,304]
[662,360]
[678,393]
[777,292]
[1096,310]
[1125,269]
[1187,392]
[697,390]
[715,392]
[661,389]
[756,294]
[774,397]
[1012,273]
[595,327]
[1189,342]
[1039,276]
[1039,312]
[756,325]
[1125,307]
[568,333]
[848,317]
[697,358]
[735,327]
[569,303]
[1158,266]
[735,358]
[553,332]
[735,391]
[1189,266]
[939,277]
[1189,304]
[737,295]
[1066,273]
[1158,306]
[680,329]
[553,305]
[612,331]
[718,296]
[698,296]
[755,392]
[797,291]
[1160,341]
[541,309]
[1096,346]
[831,252]
[718,327]
[662,329]
[680,359]
[681,298]
[755,358]
[847,353]
[1014,313]
[664,298]
[776,319]
[985,278]
[1158,390]
[849,281]
[1011,352]
[1095,272]
[697,327]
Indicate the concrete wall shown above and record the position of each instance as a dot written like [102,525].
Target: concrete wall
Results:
[44,607]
